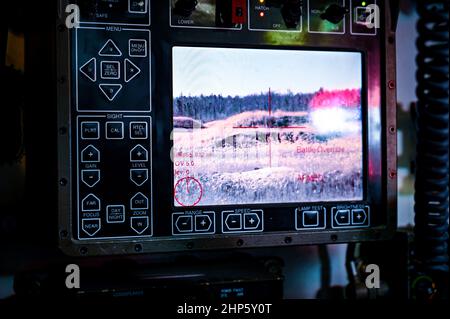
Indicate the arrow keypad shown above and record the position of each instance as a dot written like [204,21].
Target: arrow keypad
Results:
[113,70]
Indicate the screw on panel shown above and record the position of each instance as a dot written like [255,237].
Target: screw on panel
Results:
[240,242]
[391,85]
[392,174]
[63,182]
[63,130]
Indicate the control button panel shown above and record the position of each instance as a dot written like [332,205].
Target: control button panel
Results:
[365,17]
[114,192]
[350,216]
[310,217]
[242,221]
[193,223]
[209,14]
[113,69]
[326,16]
[118,12]
[267,15]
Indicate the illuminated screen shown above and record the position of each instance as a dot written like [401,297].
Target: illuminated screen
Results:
[257,126]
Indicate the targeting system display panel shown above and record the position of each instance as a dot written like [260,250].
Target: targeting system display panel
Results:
[216,124]
[264,126]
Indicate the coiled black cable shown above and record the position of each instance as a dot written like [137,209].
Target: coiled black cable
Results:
[432,173]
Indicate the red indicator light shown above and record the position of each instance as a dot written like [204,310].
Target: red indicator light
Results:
[261,14]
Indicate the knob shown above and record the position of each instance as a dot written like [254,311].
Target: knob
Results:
[185,8]
[334,13]
[291,12]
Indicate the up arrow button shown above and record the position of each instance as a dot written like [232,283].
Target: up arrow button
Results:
[110,49]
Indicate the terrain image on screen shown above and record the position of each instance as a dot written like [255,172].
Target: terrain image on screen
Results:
[260,126]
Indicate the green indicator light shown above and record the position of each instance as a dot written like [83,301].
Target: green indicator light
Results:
[363,3]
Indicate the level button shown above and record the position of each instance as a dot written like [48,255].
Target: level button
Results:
[138,176]
[138,154]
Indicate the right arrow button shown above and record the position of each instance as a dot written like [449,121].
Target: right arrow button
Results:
[131,70]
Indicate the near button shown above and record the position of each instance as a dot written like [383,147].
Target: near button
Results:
[91,226]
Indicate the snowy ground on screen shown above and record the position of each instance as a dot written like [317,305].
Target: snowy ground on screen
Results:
[257,157]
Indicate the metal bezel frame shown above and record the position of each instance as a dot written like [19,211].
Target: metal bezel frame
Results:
[74,247]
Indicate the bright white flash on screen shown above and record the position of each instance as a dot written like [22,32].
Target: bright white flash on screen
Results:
[334,120]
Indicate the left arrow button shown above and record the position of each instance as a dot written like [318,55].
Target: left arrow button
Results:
[89,69]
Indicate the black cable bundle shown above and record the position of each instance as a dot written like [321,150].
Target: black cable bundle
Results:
[432,174]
